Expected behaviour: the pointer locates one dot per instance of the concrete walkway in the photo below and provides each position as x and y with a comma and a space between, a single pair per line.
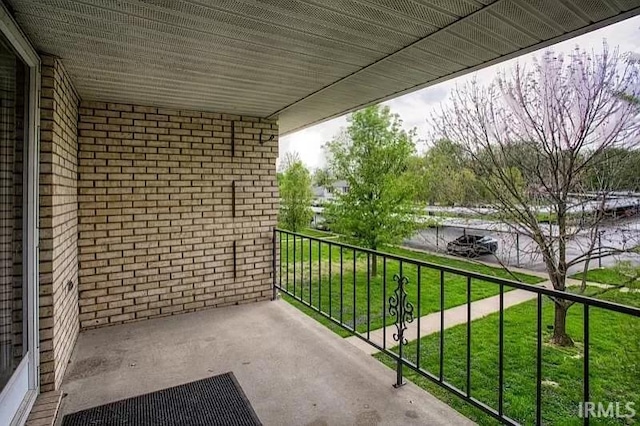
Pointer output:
430, 324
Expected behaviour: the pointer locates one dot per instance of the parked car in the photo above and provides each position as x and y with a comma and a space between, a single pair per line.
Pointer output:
470, 245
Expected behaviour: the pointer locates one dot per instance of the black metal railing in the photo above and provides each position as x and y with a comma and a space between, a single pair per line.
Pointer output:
343, 292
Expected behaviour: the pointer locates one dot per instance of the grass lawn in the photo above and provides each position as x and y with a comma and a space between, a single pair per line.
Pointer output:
614, 363
308, 276
316, 233
605, 276
542, 217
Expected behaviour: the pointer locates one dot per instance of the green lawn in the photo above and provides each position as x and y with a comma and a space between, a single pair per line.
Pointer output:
316, 233
312, 282
543, 217
605, 276
614, 363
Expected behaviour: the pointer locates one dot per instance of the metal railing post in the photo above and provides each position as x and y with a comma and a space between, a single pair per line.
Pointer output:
585, 368
402, 309
273, 263
600, 249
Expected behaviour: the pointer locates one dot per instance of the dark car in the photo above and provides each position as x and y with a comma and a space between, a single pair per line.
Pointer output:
472, 245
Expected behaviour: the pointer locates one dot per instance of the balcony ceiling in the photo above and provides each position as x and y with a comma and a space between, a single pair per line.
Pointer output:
300, 61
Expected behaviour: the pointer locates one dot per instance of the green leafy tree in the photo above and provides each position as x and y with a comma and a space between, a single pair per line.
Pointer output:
416, 167
322, 177
445, 158
446, 178
624, 160
295, 193
372, 157
443, 176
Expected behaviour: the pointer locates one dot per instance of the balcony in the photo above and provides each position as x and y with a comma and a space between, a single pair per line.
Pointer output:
293, 370
149, 137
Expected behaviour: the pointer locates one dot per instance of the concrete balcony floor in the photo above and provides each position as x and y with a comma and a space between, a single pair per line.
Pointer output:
293, 370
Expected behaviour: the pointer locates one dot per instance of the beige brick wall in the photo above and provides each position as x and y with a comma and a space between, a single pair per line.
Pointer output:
59, 324
156, 229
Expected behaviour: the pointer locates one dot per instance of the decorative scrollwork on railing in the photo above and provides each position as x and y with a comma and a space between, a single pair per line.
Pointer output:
400, 308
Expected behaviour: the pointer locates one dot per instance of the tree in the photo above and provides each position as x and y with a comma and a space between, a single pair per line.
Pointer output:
372, 156
443, 177
629, 162
322, 178
534, 136
295, 194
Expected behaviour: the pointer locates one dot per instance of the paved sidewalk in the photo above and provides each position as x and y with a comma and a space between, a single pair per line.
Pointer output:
430, 324
454, 316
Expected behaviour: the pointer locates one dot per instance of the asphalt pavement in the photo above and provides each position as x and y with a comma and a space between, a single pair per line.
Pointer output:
520, 250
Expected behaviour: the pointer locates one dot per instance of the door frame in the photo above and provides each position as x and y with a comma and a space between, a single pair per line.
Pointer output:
23, 48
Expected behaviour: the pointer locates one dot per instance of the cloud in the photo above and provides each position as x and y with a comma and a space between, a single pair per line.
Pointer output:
308, 142
414, 108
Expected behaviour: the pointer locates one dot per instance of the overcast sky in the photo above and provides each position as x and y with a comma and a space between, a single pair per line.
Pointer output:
415, 107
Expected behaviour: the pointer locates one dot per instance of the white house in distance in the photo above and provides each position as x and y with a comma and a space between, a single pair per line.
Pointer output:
322, 194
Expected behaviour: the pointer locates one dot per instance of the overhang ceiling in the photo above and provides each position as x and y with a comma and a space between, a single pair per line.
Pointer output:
300, 61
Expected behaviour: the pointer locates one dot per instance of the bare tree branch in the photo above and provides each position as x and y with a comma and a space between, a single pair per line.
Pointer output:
536, 137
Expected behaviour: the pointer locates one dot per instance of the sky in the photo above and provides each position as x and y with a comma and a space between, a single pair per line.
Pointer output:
414, 108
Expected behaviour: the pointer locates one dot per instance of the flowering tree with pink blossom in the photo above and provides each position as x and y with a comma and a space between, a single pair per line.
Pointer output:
533, 136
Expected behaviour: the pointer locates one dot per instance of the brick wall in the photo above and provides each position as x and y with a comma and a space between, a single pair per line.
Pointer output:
156, 226
59, 324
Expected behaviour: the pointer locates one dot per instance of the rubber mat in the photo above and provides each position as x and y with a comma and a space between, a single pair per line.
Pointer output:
217, 400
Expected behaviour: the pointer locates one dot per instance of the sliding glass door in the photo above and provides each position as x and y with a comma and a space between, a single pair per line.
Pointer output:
18, 211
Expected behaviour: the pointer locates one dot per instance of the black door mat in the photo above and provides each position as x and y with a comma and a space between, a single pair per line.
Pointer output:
217, 400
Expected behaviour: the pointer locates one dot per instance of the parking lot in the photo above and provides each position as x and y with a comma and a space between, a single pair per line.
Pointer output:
520, 250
